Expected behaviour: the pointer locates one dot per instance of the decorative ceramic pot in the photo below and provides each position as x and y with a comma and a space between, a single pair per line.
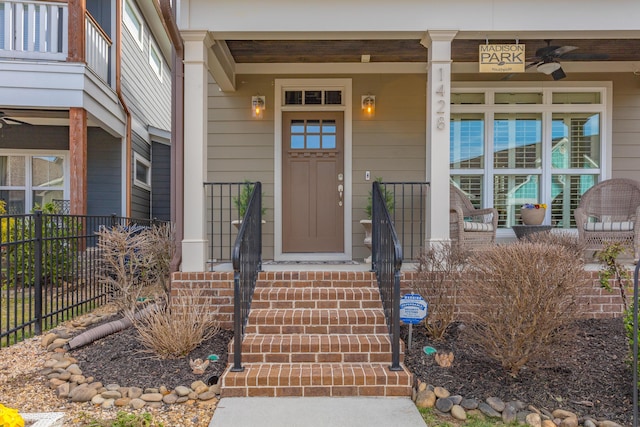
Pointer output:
532, 216
366, 223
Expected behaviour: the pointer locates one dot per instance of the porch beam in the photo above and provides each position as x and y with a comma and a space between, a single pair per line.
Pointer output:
78, 160
438, 43
222, 66
196, 78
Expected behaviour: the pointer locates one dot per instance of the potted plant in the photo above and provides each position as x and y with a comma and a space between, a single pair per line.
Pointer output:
533, 213
241, 203
389, 201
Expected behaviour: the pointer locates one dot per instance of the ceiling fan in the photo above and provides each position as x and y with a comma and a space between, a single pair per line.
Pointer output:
4, 120
547, 59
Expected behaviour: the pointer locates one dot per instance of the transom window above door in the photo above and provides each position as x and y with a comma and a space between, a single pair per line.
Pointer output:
313, 97
313, 134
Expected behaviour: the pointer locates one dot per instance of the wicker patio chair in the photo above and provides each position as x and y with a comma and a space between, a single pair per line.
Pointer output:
470, 227
608, 212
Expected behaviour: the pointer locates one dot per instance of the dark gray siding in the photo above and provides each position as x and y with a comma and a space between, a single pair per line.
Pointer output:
34, 137
101, 12
160, 181
104, 174
140, 197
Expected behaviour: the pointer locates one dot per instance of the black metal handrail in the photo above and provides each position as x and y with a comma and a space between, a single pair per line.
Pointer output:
386, 261
247, 262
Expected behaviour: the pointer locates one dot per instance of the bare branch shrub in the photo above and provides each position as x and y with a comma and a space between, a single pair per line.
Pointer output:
162, 247
523, 298
437, 281
134, 258
569, 242
125, 252
171, 331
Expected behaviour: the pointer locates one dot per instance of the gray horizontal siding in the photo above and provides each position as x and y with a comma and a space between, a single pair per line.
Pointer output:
104, 174
140, 197
35, 137
161, 181
148, 98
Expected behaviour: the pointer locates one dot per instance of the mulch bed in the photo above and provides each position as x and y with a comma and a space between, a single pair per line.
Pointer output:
591, 375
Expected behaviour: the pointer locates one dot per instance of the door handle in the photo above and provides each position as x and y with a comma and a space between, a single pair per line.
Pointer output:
340, 193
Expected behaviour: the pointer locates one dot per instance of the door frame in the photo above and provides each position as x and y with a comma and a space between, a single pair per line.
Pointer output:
346, 108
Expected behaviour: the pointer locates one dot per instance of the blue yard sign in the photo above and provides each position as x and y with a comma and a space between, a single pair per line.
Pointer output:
413, 308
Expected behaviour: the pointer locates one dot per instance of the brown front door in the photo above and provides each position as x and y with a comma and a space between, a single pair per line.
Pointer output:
312, 182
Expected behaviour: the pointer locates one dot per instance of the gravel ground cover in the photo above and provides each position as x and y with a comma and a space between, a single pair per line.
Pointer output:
590, 376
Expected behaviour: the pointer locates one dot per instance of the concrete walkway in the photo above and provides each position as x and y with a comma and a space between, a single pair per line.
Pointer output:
316, 412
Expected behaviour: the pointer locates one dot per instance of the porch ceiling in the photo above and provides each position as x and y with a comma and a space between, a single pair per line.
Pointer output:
408, 50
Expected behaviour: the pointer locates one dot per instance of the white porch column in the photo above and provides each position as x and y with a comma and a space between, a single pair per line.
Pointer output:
438, 42
195, 243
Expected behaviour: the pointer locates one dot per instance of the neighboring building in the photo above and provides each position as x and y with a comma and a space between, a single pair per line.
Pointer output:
85, 106
544, 135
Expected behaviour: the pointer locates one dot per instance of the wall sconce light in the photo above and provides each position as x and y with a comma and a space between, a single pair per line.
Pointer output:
369, 104
257, 106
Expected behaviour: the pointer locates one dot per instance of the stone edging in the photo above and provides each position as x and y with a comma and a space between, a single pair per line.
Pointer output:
458, 407
66, 379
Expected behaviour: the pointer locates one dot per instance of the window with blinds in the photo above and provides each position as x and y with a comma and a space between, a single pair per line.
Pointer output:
543, 145
467, 141
517, 141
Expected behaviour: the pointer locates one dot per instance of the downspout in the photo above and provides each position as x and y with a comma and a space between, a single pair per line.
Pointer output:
177, 124
127, 211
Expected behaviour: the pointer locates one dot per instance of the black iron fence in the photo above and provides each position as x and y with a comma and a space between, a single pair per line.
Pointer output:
49, 267
386, 261
247, 262
408, 213
226, 203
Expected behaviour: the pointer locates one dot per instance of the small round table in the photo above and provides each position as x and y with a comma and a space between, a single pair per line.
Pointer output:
523, 231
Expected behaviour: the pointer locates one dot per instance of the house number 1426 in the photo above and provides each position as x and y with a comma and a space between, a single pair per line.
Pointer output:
442, 104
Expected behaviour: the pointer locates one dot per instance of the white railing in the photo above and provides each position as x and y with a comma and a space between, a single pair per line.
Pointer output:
40, 30
97, 46
34, 30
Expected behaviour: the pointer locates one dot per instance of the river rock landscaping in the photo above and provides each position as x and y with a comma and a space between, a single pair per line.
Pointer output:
586, 382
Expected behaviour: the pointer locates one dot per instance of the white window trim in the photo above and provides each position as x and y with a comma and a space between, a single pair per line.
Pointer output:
139, 38
139, 159
546, 108
29, 187
153, 49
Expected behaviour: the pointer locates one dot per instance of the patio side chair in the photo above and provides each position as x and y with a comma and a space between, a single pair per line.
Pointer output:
608, 213
470, 227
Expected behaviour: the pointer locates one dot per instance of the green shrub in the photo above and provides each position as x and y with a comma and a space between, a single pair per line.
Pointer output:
58, 251
242, 200
387, 195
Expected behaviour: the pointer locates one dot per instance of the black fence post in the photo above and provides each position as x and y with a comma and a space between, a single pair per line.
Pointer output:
37, 248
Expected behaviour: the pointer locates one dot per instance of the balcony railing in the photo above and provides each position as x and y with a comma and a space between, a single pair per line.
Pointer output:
40, 30
34, 30
97, 48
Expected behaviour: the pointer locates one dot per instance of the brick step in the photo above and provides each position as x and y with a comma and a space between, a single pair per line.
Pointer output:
316, 379
316, 279
319, 321
316, 348
312, 298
